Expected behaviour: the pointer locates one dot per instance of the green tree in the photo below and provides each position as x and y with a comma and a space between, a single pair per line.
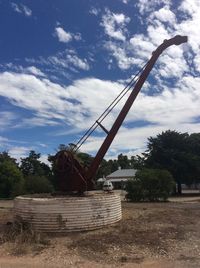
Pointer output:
137, 162
31, 165
169, 150
123, 161
4, 156
11, 179
37, 175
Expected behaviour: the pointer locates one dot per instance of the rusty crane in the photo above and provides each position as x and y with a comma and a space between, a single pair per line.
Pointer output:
71, 175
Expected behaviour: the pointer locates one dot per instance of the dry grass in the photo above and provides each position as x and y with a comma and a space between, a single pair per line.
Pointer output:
21, 238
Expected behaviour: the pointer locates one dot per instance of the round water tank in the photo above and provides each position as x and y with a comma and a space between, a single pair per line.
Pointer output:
68, 213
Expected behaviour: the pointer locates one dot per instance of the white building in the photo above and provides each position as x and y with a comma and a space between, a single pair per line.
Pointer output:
120, 176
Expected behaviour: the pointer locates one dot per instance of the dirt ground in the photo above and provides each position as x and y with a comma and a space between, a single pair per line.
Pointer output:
150, 235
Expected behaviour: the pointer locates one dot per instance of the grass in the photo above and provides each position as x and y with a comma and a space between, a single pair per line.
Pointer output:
21, 238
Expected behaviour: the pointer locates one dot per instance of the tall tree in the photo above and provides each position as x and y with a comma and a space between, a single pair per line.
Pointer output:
123, 161
31, 165
11, 178
172, 150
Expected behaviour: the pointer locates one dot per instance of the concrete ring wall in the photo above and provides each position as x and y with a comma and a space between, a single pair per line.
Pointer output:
69, 213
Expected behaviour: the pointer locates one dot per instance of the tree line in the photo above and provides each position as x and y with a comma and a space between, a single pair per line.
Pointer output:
178, 153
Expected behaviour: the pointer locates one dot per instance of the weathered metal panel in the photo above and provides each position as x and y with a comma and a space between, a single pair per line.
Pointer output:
64, 214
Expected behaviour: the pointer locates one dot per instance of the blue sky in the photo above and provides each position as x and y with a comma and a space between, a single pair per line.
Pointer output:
63, 62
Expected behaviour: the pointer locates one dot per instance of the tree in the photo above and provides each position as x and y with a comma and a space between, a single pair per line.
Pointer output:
137, 162
11, 179
194, 158
4, 156
173, 151
31, 165
123, 161
37, 175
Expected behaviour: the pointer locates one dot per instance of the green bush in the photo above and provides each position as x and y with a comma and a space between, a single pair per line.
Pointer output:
150, 185
134, 190
37, 184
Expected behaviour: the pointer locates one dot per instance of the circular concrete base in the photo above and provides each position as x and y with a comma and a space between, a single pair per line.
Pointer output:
48, 213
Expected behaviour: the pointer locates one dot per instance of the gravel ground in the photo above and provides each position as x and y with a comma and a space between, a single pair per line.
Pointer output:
149, 235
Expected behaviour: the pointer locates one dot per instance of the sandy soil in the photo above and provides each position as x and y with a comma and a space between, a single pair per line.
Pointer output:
149, 235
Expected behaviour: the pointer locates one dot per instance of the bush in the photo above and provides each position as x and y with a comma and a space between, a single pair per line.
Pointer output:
150, 185
38, 184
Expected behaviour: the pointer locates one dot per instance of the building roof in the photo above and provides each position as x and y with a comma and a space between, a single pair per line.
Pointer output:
122, 174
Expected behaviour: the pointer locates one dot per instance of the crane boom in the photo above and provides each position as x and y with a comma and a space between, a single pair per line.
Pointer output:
177, 40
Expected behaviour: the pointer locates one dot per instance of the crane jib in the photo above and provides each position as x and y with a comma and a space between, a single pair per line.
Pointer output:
177, 40
71, 175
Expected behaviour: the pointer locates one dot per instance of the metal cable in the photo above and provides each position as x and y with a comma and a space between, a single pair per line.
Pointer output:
108, 109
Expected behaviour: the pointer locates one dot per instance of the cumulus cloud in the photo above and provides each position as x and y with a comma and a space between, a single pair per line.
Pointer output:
114, 25
75, 106
161, 23
62, 35
170, 102
66, 37
146, 6
20, 8
164, 15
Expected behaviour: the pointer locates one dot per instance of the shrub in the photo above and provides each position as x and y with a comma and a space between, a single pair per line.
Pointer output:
134, 190
150, 185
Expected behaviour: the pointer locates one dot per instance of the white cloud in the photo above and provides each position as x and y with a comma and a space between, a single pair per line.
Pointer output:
94, 11
6, 119
77, 106
114, 25
44, 159
19, 152
27, 11
34, 70
59, 63
68, 59
125, 1
20, 8
146, 6
121, 54
189, 7
2, 139
77, 62
62, 35
19, 68
164, 15
66, 37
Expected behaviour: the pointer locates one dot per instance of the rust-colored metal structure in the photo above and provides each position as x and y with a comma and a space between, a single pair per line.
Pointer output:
72, 176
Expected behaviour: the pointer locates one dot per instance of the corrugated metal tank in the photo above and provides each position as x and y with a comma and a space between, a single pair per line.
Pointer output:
69, 213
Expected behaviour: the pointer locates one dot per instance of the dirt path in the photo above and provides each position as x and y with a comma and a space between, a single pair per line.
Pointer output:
149, 235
